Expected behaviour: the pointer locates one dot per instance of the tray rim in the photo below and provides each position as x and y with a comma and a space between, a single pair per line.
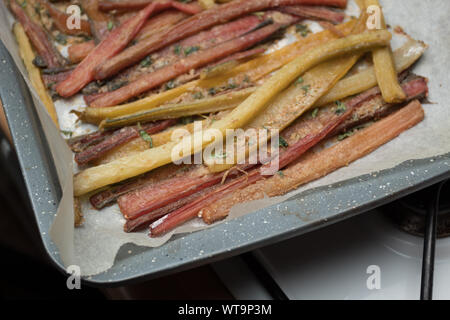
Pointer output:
314, 225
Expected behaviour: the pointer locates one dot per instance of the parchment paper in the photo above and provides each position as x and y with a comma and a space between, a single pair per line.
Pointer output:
94, 246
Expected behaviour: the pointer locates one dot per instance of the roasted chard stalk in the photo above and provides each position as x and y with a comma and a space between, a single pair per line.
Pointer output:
193, 61
38, 38
139, 4
116, 41
385, 68
198, 22
310, 12
119, 138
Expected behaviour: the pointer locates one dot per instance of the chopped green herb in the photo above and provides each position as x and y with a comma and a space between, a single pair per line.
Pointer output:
341, 107
231, 84
220, 156
110, 25
61, 38
114, 85
67, 133
170, 85
146, 62
302, 29
198, 95
23, 4
246, 79
189, 50
51, 84
145, 136
283, 142
363, 126
177, 50
86, 37
39, 62
315, 112
346, 135
187, 120
212, 91
259, 14
304, 34
299, 80
306, 88
281, 173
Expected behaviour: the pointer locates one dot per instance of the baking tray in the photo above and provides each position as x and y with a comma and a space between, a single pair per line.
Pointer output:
302, 213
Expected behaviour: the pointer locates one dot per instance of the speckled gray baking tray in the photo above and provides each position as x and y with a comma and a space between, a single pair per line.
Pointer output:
305, 212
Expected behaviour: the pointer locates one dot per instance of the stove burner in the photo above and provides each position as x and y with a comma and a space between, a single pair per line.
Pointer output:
425, 213
410, 213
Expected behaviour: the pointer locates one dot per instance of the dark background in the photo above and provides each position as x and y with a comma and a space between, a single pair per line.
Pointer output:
26, 270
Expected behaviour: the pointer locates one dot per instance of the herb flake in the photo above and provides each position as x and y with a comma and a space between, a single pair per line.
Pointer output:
61, 38
67, 133
220, 156
300, 80
302, 29
197, 95
283, 142
231, 84
177, 49
145, 136
187, 120
259, 14
306, 88
212, 91
110, 25
345, 135
170, 85
341, 108
190, 50
146, 62
39, 62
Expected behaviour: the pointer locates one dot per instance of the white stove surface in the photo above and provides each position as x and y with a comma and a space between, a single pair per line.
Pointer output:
333, 263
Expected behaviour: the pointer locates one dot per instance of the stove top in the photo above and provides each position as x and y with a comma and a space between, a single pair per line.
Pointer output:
367, 257
410, 213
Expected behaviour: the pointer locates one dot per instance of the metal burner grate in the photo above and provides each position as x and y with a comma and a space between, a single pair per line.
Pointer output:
427, 214
409, 214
